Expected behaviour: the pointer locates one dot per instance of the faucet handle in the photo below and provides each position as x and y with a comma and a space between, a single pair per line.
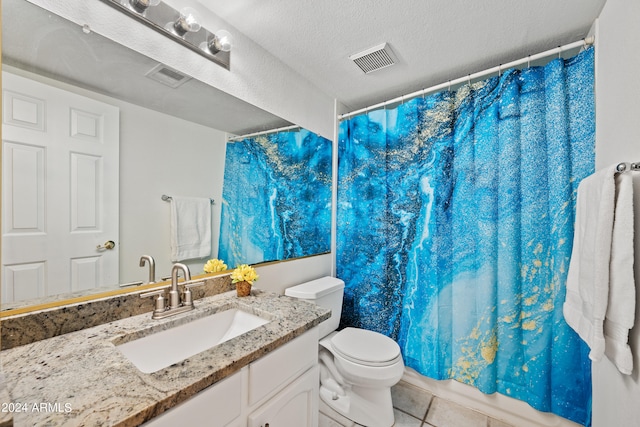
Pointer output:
160, 301
187, 298
193, 284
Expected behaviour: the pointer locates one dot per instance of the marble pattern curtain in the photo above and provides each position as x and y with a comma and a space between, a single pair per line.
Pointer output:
276, 198
455, 223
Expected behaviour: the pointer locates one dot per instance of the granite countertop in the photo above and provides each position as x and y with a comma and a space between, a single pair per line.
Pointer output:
82, 379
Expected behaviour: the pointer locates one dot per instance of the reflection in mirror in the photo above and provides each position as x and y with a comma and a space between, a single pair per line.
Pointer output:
277, 197
168, 136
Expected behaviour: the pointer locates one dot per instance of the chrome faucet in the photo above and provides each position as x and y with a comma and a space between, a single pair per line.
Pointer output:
176, 304
174, 295
152, 266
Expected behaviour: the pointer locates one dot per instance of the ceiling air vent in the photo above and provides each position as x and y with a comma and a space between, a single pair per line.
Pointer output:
375, 58
167, 76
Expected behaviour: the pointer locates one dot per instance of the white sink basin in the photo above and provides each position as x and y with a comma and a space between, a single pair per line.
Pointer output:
164, 348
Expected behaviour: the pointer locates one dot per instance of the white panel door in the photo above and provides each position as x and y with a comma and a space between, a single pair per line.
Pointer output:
59, 190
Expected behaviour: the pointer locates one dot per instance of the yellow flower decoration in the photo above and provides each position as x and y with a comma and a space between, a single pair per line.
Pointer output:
214, 265
244, 273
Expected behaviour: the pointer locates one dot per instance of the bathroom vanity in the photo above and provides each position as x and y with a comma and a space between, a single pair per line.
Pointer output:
279, 389
83, 378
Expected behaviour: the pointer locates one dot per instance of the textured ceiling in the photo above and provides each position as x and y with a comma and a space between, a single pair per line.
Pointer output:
434, 40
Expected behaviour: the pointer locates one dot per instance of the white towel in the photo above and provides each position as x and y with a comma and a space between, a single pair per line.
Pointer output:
600, 300
190, 228
620, 316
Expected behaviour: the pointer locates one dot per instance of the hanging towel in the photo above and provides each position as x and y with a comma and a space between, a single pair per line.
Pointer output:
600, 300
190, 228
620, 316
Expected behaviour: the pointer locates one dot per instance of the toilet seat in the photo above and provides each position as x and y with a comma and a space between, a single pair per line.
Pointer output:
365, 347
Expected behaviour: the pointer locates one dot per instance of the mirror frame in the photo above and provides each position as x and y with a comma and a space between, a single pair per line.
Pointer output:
1, 112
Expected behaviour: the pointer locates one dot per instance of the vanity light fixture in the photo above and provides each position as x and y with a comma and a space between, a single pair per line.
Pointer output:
187, 22
182, 26
219, 42
141, 5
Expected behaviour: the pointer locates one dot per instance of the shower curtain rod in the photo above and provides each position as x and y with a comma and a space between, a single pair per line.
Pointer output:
264, 132
584, 42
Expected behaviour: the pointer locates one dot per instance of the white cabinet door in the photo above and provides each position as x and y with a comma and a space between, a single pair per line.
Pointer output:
59, 190
295, 406
219, 405
272, 372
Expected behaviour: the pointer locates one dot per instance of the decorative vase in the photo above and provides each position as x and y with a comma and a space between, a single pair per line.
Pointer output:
243, 289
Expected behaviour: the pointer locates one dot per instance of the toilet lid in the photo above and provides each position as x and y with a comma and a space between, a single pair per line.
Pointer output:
365, 347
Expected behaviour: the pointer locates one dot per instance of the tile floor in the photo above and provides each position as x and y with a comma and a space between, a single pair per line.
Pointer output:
415, 407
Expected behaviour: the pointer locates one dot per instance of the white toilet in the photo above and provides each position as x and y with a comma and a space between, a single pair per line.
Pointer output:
357, 367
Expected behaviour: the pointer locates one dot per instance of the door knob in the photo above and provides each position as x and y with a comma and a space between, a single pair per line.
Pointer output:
109, 244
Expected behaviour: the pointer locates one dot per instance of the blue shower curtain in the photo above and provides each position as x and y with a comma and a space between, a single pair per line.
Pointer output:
455, 223
276, 198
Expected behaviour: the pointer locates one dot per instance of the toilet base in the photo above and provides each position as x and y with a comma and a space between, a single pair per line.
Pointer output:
333, 418
356, 405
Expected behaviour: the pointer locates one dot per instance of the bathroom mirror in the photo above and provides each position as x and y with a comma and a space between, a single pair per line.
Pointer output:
173, 132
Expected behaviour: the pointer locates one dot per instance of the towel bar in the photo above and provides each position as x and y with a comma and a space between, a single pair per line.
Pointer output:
622, 167
168, 198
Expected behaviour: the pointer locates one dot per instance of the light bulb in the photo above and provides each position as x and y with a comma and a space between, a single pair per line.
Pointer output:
221, 41
188, 21
141, 5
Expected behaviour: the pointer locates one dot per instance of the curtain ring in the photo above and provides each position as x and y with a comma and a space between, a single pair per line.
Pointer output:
449, 85
529, 61
469, 79
559, 51
500, 70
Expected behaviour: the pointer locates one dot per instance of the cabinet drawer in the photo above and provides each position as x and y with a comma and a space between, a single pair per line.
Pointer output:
269, 373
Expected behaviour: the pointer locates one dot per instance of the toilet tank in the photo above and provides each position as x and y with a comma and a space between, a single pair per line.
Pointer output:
326, 292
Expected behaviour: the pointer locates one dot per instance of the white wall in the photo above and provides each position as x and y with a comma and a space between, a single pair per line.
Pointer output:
616, 396
161, 154
279, 276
